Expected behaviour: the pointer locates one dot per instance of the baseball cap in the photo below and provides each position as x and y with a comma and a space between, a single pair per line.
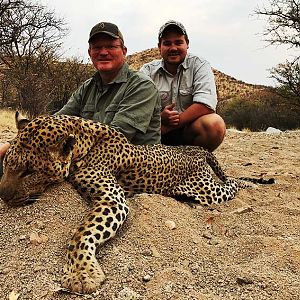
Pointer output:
107, 28
171, 23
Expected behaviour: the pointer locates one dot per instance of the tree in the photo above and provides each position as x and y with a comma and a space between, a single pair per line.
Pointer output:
288, 76
28, 29
283, 28
283, 22
30, 38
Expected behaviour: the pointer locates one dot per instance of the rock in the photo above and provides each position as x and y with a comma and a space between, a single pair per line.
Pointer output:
127, 294
243, 210
170, 224
147, 278
271, 130
13, 295
244, 280
147, 252
22, 237
214, 241
36, 239
207, 234
155, 252
5, 271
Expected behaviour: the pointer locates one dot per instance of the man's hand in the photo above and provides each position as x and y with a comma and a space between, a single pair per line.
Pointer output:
170, 117
3, 150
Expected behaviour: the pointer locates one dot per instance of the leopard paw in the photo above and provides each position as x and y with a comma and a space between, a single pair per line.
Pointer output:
83, 280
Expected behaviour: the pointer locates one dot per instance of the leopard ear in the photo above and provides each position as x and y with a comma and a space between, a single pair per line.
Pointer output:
63, 149
21, 121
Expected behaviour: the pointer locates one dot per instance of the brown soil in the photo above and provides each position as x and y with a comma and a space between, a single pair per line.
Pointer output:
245, 249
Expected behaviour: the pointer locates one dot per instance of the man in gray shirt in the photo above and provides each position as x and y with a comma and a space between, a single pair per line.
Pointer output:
187, 91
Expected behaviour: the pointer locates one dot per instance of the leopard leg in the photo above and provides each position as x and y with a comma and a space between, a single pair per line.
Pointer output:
82, 273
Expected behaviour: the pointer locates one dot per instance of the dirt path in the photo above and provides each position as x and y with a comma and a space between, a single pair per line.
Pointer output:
248, 248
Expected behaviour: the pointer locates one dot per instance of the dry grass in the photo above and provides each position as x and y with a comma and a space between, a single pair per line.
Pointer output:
7, 120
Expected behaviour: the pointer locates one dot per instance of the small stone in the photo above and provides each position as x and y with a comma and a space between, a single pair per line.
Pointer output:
5, 271
22, 237
34, 238
127, 294
13, 295
243, 210
170, 224
271, 130
207, 234
37, 239
96, 294
147, 278
196, 240
40, 225
44, 294
244, 280
214, 241
185, 263
147, 252
38, 269
155, 252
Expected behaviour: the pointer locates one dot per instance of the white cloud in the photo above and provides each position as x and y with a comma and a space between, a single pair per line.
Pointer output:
221, 30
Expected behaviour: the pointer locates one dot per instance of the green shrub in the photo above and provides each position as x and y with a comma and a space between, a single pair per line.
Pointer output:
260, 111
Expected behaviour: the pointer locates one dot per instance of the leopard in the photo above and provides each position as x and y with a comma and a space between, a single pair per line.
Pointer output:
106, 169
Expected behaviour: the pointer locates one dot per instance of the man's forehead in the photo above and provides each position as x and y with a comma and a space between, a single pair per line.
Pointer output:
172, 36
103, 37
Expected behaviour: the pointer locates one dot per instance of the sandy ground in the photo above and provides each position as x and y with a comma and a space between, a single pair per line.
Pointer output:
246, 249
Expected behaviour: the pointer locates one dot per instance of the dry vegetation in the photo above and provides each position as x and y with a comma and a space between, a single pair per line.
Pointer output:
7, 120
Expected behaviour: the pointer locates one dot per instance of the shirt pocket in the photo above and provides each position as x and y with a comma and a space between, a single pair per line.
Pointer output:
110, 113
185, 97
88, 111
165, 98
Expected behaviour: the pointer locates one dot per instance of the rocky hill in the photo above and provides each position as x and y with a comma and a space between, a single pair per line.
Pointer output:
227, 86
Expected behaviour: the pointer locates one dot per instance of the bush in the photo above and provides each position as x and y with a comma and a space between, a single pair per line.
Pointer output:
42, 89
260, 111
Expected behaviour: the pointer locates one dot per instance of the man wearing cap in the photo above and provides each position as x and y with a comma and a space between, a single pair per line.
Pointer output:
187, 91
115, 95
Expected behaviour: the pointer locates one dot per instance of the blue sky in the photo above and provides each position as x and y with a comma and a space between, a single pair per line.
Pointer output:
225, 32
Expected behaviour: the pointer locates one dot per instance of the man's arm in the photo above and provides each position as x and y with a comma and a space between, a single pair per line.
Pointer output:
204, 85
74, 104
176, 120
193, 112
3, 150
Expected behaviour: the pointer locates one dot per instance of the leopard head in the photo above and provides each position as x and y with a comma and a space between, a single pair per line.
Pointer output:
40, 155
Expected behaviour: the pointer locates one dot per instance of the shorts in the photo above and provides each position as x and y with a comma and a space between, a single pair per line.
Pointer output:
174, 138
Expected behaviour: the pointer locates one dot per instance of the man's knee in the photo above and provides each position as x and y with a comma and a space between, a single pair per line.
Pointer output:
3, 150
211, 124
207, 131
217, 126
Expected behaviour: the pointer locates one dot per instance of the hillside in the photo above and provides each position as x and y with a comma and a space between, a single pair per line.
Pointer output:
227, 86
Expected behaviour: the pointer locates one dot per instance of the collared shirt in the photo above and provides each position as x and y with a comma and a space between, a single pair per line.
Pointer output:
130, 104
193, 83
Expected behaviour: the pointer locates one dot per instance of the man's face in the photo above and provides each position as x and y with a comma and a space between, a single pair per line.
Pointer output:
173, 47
107, 53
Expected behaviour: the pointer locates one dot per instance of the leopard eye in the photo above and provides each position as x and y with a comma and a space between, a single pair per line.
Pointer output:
26, 173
